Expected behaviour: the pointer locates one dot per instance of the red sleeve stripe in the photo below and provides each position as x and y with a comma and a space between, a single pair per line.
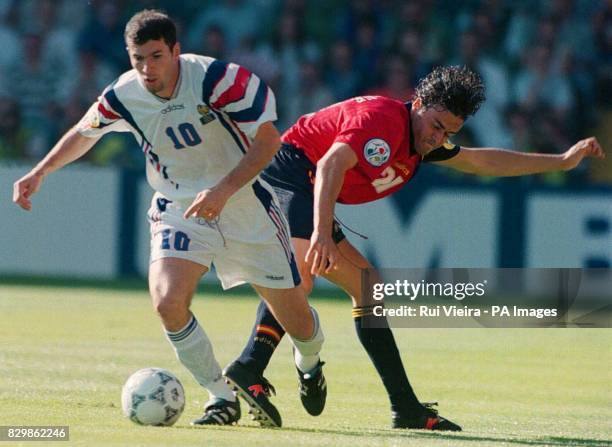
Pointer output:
107, 113
236, 91
245, 140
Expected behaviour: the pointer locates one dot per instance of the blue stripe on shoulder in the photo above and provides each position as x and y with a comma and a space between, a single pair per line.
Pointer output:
254, 112
231, 131
114, 102
214, 73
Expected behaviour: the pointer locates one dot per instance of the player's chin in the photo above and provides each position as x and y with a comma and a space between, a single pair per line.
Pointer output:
421, 149
153, 87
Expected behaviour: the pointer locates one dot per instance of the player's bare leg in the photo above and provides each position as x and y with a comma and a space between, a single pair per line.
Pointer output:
300, 247
290, 307
347, 273
172, 283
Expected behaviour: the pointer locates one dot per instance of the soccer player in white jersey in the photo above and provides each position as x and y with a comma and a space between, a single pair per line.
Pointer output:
206, 131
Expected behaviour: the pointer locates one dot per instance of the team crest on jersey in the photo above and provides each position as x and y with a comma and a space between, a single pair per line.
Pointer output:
207, 115
376, 152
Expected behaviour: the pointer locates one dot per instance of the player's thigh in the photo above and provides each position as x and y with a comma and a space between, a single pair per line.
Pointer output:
347, 275
290, 307
172, 281
181, 252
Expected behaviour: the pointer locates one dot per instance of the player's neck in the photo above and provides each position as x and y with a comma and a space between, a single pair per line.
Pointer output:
169, 92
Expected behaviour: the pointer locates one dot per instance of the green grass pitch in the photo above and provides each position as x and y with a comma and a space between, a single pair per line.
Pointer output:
66, 351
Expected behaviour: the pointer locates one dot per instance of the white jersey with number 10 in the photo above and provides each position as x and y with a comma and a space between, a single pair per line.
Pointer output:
196, 137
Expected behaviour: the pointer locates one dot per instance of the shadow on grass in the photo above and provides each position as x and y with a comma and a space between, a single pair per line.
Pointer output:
419, 434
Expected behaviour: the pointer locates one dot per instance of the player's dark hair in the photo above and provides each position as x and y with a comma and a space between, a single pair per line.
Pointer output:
457, 89
150, 24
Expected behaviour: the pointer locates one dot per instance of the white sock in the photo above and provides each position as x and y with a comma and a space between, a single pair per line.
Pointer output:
305, 363
194, 350
306, 353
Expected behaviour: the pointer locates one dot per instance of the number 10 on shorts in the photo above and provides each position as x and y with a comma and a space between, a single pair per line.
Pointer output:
181, 240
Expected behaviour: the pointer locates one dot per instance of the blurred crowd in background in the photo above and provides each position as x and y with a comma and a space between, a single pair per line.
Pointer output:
547, 64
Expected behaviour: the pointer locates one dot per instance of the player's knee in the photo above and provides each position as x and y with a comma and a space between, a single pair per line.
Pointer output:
166, 309
168, 303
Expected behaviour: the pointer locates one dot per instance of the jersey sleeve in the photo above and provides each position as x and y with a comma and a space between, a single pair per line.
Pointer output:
445, 152
101, 118
372, 140
240, 94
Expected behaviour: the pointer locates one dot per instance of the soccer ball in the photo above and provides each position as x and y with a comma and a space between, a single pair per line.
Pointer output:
153, 396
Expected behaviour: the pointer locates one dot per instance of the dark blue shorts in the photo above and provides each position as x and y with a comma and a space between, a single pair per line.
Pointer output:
291, 175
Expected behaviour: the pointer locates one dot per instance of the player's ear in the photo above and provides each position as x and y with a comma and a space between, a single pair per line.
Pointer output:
176, 50
417, 103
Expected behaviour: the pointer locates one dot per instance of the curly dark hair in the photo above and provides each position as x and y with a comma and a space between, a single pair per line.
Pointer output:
457, 89
150, 24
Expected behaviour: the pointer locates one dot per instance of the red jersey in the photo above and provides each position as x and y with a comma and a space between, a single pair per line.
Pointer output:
377, 129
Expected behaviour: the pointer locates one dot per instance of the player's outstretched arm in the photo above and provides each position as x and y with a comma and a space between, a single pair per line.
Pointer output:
502, 163
322, 255
209, 203
69, 148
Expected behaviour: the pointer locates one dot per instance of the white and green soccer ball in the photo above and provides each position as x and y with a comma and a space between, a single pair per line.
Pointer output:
153, 396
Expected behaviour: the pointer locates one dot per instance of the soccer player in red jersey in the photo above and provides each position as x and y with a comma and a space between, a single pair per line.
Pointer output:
358, 151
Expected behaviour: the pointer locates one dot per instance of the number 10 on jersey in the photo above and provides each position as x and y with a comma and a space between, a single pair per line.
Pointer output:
187, 136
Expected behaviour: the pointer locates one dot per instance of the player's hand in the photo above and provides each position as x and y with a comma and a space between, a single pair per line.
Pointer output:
25, 187
322, 255
207, 204
584, 148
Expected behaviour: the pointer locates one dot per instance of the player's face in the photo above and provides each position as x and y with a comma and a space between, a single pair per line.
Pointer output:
157, 65
432, 126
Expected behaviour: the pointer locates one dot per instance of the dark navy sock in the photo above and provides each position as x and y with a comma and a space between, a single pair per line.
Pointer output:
265, 337
380, 346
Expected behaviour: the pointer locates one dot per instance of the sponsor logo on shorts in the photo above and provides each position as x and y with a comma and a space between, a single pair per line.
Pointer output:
376, 151
275, 278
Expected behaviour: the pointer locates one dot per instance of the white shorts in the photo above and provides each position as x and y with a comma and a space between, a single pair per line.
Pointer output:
248, 243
